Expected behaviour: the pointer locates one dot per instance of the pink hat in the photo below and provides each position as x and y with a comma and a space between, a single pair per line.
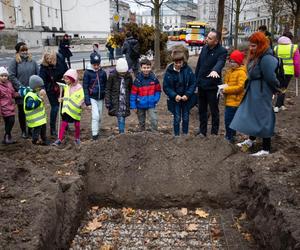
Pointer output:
284, 40
237, 56
72, 73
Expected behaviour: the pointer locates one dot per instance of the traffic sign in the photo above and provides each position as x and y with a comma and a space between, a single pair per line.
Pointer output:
116, 18
2, 25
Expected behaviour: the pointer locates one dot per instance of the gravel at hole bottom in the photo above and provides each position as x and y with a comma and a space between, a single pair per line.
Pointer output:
173, 228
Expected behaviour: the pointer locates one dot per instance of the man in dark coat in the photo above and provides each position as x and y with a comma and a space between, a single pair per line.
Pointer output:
208, 76
132, 57
64, 49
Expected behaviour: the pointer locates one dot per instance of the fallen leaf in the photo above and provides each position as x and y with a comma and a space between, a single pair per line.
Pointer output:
128, 212
215, 232
184, 211
106, 247
192, 227
93, 225
243, 216
23, 201
247, 236
103, 217
237, 226
201, 213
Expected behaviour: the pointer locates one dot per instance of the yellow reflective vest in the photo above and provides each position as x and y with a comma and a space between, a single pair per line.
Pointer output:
286, 52
35, 117
72, 103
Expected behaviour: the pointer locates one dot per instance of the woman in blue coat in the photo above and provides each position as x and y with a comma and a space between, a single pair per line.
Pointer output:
179, 85
255, 116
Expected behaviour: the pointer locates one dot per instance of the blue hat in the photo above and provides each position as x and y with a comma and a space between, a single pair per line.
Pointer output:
95, 58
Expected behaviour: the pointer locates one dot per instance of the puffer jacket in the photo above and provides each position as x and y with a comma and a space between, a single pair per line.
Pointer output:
7, 103
94, 84
145, 92
112, 93
235, 78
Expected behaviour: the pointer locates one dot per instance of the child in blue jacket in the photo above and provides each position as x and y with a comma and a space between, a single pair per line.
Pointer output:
179, 85
145, 94
94, 86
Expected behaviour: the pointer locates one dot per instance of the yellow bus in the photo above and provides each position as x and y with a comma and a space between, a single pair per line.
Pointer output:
177, 34
196, 32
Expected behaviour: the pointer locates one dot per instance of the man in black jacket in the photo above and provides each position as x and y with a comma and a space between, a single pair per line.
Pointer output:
208, 76
131, 50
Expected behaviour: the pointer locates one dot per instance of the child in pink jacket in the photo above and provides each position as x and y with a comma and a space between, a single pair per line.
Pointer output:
7, 104
291, 63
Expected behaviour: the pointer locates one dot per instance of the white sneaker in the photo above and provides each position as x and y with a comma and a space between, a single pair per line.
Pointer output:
247, 143
276, 109
261, 153
283, 108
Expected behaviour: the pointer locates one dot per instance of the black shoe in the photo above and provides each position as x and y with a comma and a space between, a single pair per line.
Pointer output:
45, 143
95, 137
53, 132
24, 135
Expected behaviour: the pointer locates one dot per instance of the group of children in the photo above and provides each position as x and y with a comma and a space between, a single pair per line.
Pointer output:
119, 93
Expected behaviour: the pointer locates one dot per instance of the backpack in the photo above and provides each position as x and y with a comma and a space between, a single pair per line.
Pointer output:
134, 51
279, 71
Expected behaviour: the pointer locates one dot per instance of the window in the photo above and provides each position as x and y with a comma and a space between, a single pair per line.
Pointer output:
56, 13
48, 10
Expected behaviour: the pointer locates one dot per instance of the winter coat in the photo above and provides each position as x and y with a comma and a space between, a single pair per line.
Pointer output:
128, 43
52, 74
64, 48
19, 73
7, 103
179, 83
113, 92
210, 60
145, 92
235, 78
94, 85
255, 115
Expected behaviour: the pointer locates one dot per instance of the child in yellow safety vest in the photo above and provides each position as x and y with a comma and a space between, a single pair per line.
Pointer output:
34, 109
71, 108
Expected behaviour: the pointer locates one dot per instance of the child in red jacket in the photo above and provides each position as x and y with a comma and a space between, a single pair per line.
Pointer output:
7, 104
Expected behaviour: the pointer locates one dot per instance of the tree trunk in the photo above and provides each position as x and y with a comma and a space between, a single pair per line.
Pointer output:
221, 7
297, 24
156, 36
273, 17
236, 25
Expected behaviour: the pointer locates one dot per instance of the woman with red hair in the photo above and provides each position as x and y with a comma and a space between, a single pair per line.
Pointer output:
255, 116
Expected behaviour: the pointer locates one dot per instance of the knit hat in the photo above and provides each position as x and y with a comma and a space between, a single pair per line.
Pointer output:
284, 40
179, 52
35, 82
122, 65
3, 71
19, 45
95, 58
72, 74
237, 56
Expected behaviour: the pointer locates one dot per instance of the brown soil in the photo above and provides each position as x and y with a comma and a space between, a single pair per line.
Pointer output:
44, 190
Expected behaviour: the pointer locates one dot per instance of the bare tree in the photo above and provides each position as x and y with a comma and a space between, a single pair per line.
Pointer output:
274, 7
294, 6
239, 6
220, 19
155, 6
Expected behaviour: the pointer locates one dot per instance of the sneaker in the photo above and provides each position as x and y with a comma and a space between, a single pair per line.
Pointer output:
283, 108
276, 109
56, 143
77, 141
95, 137
261, 153
247, 143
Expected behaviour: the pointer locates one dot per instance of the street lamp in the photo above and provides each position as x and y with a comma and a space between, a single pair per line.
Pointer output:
231, 21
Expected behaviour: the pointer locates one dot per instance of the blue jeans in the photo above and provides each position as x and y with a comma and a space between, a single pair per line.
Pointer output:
121, 124
181, 111
229, 114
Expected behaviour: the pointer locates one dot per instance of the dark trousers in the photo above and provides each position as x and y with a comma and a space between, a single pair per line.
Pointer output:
69, 62
281, 96
266, 145
22, 118
208, 98
39, 131
53, 100
228, 117
9, 122
181, 112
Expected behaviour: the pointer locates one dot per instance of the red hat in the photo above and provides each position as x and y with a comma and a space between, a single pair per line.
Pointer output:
237, 56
